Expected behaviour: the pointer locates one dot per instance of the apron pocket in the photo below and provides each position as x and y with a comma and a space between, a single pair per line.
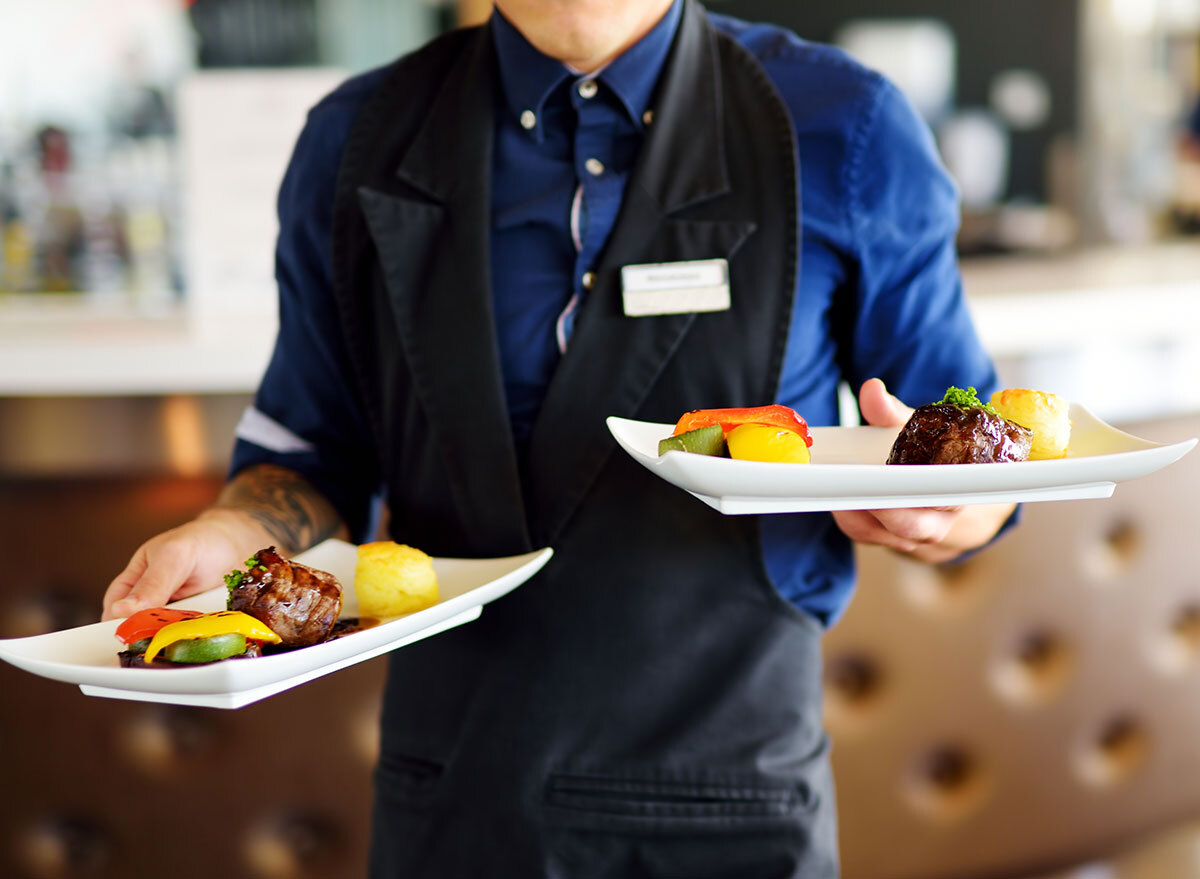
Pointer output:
406, 780
677, 827
401, 823
675, 802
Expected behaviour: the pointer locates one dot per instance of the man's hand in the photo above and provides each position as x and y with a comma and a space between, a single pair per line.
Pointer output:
929, 534
263, 506
184, 561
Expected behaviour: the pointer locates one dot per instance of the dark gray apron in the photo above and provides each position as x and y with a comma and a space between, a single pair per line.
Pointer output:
648, 705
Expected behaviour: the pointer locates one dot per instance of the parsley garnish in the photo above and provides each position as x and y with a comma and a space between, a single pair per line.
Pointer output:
235, 577
232, 581
967, 399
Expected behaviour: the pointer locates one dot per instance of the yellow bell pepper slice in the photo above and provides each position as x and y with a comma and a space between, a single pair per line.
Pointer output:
764, 442
220, 623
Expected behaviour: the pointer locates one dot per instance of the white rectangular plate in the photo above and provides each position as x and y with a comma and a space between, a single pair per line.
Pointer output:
848, 471
87, 655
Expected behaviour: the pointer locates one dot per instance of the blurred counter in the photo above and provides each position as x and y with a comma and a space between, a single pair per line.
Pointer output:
1116, 328
1121, 319
1118, 297
66, 345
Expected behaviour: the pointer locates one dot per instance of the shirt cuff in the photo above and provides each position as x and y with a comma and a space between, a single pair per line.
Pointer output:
264, 431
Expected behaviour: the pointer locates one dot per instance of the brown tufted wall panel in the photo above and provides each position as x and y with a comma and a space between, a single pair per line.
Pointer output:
1035, 706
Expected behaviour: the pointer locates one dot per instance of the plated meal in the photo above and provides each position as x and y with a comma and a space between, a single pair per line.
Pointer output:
278, 604
1047, 449
389, 578
1017, 425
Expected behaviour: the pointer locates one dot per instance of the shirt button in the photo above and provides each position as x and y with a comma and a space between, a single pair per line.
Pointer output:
594, 167
528, 119
587, 88
647, 117
589, 280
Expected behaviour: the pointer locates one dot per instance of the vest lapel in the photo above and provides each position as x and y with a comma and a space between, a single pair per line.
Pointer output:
432, 236
613, 360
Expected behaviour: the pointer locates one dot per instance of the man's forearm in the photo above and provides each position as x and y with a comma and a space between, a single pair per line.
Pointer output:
292, 513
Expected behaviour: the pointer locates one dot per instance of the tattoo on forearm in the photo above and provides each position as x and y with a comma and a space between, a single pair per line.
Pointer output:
284, 503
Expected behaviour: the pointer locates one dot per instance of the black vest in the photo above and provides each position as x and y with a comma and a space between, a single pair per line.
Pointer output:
648, 705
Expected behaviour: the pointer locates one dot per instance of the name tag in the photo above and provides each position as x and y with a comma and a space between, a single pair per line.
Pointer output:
675, 287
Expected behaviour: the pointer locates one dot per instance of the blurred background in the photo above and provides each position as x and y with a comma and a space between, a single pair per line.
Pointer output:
1032, 712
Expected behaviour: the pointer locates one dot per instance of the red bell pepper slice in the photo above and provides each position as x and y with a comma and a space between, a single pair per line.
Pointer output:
774, 415
146, 623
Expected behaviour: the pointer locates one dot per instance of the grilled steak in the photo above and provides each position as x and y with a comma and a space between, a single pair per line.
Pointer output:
942, 433
299, 603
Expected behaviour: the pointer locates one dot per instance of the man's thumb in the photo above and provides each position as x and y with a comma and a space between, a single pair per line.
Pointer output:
879, 407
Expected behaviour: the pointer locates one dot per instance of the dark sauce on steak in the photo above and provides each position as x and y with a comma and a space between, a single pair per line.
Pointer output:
341, 628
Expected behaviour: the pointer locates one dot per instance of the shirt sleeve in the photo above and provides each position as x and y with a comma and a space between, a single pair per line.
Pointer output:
883, 221
306, 414
909, 323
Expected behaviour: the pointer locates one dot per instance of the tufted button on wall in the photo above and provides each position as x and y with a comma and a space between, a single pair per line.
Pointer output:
1115, 752
292, 845
853, 684
958, 577
1185, 629
855, 677
49, 608
949, 589
1035, 668
65, 845
1174, 648
158, 739
1117, 548
947, 783
364, 733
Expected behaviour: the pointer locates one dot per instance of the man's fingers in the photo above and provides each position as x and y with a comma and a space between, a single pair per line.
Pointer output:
861, 526
917, 526
162, 575
903, 530
124, 582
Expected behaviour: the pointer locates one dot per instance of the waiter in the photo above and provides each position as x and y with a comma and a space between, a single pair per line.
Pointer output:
454, 331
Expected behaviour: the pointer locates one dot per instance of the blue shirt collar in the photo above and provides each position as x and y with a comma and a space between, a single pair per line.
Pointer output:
528, 77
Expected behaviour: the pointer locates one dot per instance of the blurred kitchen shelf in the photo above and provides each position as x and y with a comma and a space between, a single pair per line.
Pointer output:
88, 345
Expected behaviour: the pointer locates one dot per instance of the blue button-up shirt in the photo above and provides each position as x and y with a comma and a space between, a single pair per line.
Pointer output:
564, 147
878, 292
